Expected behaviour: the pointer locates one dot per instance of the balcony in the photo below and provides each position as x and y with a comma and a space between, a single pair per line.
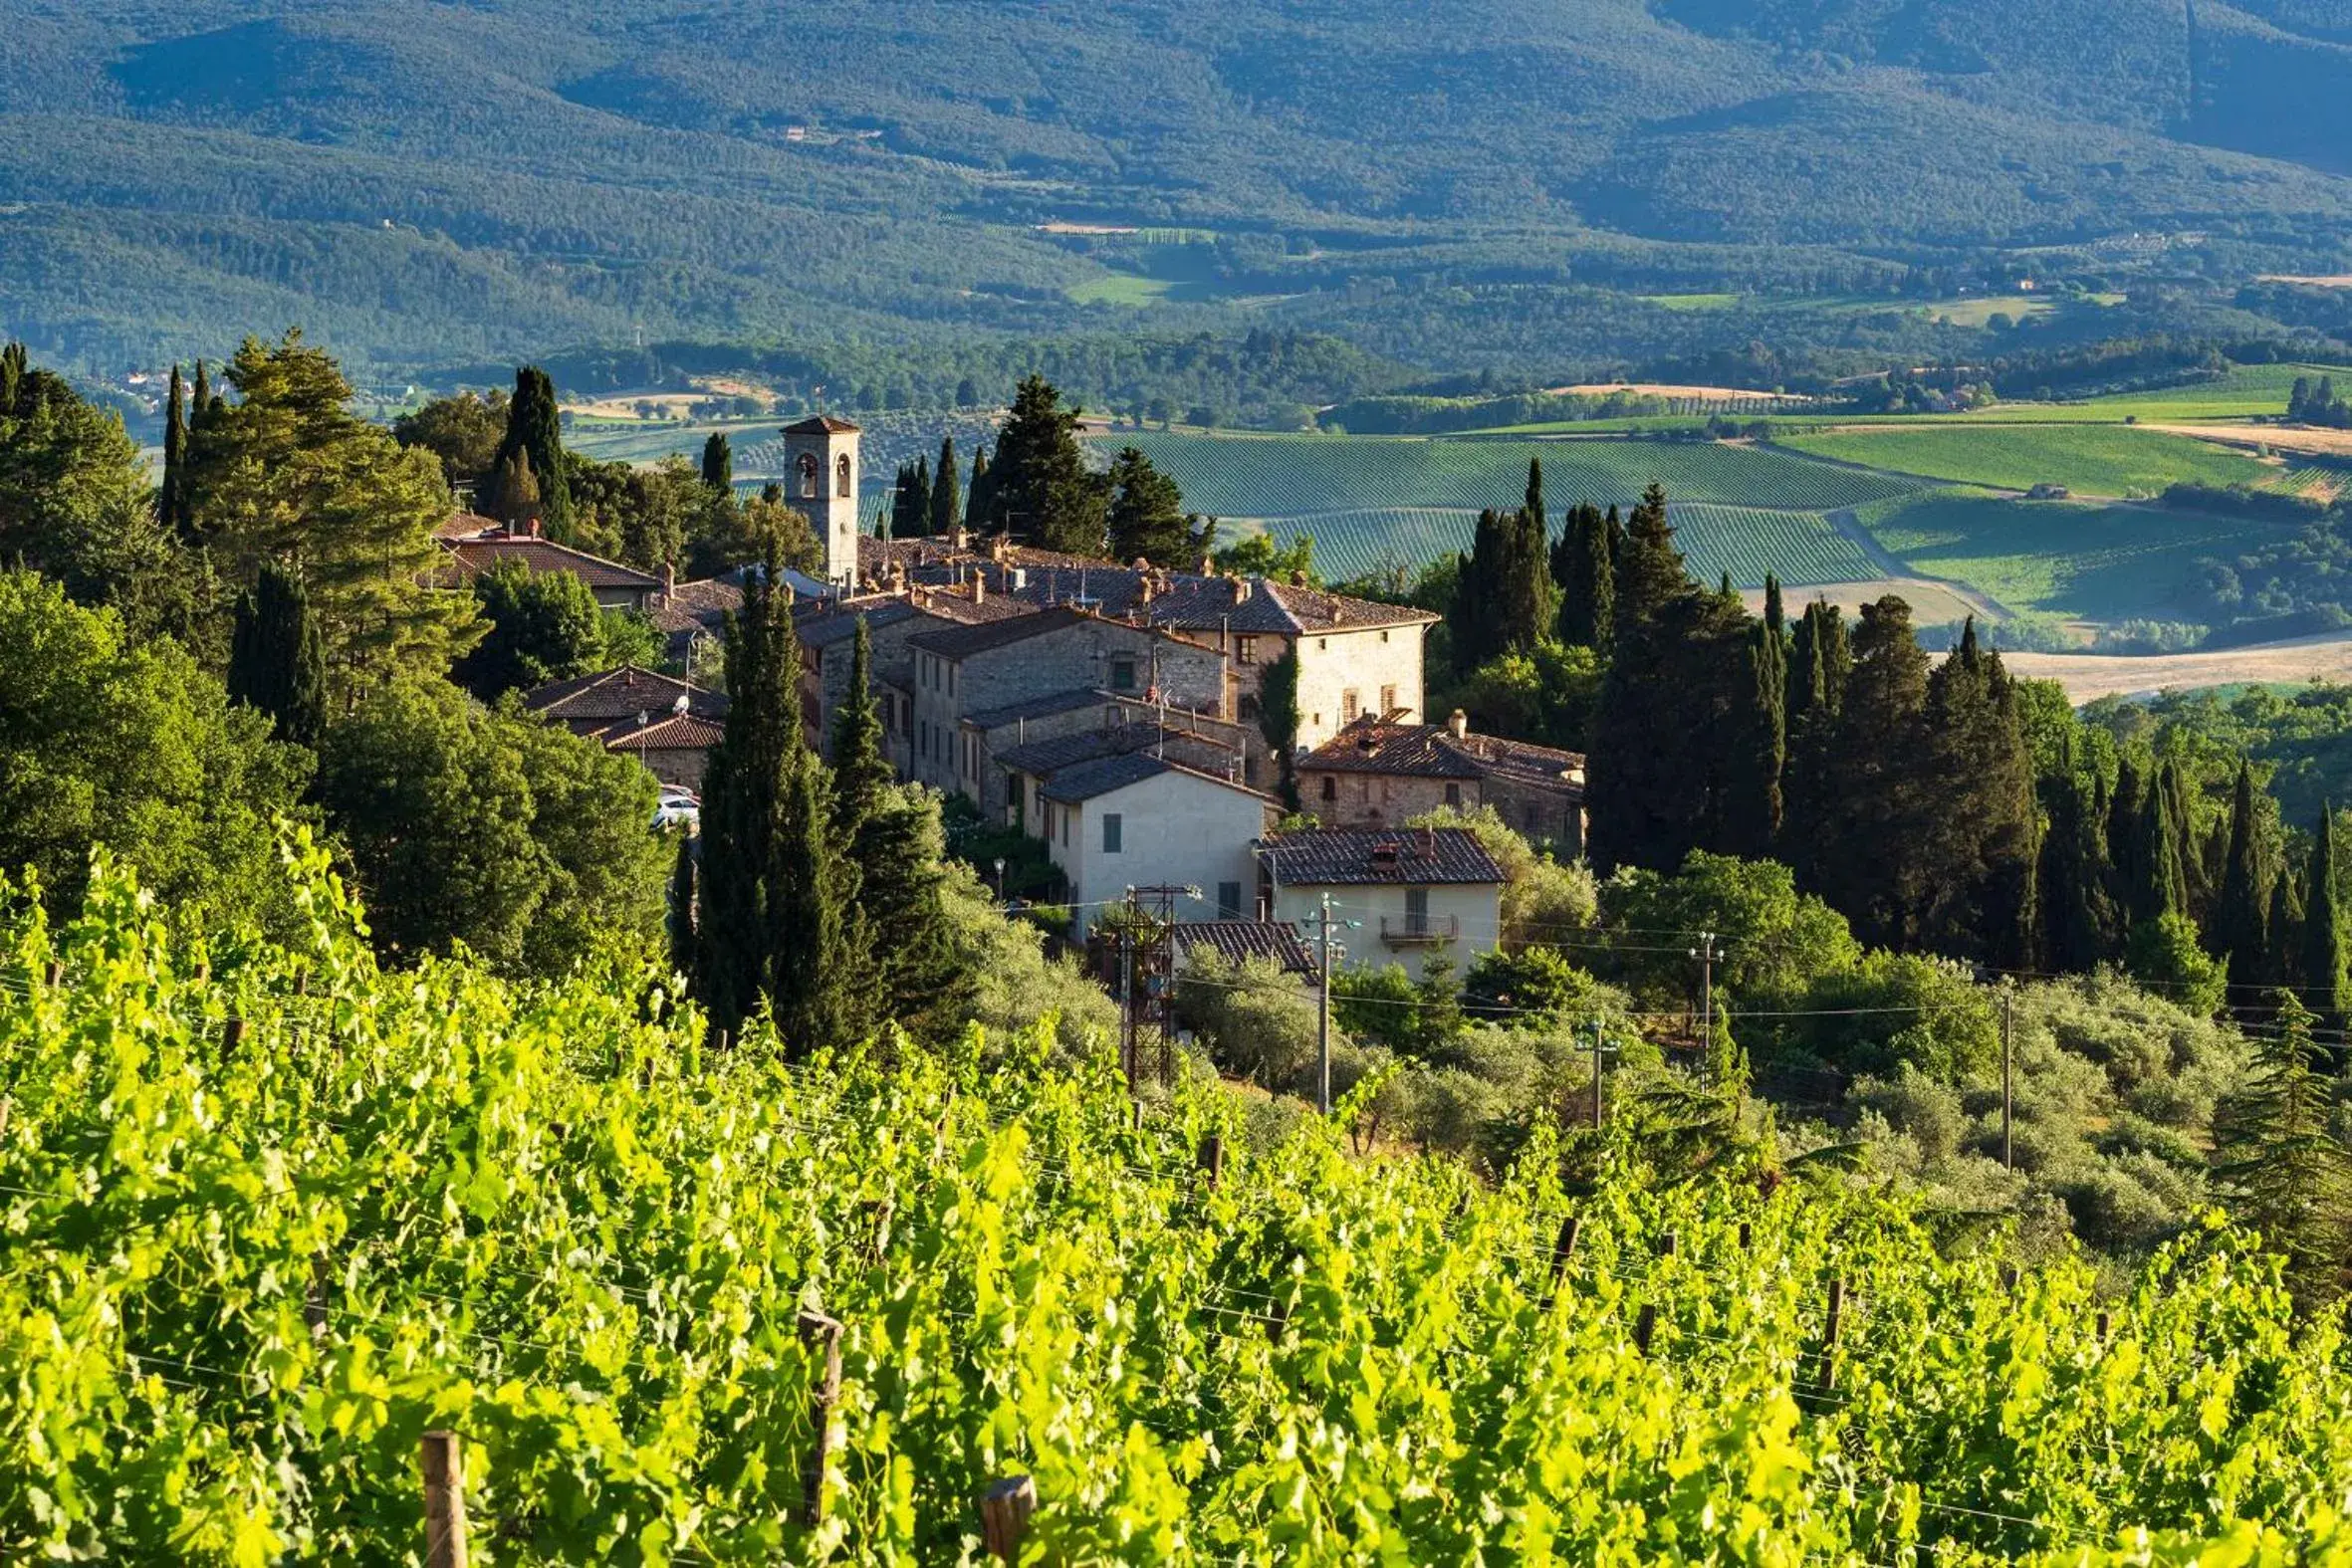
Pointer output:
1419, 931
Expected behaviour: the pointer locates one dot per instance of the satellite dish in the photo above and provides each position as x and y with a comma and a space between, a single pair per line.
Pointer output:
680, 705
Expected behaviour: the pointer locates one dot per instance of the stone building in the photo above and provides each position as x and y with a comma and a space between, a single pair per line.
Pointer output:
1414, 896
1375, 773
478, 545
667, 723
1012, 781
1141, 820
821, 458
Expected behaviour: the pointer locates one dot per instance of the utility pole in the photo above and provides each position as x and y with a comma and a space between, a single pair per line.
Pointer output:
1127, 994
1323, 1024
2008, 1076
1705, 954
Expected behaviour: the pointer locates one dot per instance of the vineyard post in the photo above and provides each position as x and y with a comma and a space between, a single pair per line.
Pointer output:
1666, 1244
1127, 997
1645, 1326
1596, 1049
1747, 1234
1004, 1516
1563, 1247
1212, 1158
1323, 1015
822, 1334
57, 974
2008, 1076
442, 1457
1829, 1332
232, 1036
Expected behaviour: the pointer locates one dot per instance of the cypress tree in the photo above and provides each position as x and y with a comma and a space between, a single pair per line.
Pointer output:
533, 428
1580, 569
918, 499
681, 914
2241, 914
820, 980
2322, 962
861, 772
2285, 927
1650, 572
1534, 503
946, 511
15, 364
1978, 828
1477, 636
1870, 858
516, 497
980, 496
276, 662
718, 463
2078, 912
200, 406
742, 805
169, 501
2160, 885
2276, 1150
1762, 735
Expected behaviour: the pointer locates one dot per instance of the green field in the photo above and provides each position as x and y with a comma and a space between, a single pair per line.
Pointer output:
1800, 548
1290, 476
1119, 288
2074, 558
2090, 459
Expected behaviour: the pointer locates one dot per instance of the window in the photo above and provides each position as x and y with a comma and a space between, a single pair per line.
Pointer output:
1384, 636
810, 477
1245, 649
1249, 708
1122, 675
1417, 910
1112, 822
1453, 795
1350, 707
1387, 700
1229, 901
923, 739
841, 476
1330, 787
1323, 644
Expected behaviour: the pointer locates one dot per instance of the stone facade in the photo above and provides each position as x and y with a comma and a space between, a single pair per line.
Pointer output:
1381, 774
1146, 825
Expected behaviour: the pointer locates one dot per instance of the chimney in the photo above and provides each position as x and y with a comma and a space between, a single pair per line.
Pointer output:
1429, 844
669, 581
979, 590
960, 539
1208, 565
535, 525
1145, 589
1457, 724
1240, 589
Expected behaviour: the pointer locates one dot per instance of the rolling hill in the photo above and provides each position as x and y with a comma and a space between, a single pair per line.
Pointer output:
422, 182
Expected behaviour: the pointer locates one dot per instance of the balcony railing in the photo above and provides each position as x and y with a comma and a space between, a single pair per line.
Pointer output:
1419, 929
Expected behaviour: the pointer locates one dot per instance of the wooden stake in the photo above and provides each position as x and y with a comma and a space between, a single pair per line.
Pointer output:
57, 974
2008, 1278
1645, 1326
1212, 1158
1747, 1235
1829, 1333
232, 1036
1004, 1516
1666, 1243
443, 1462
314, 1305
1563, 1247
2102, 1325
823, 1335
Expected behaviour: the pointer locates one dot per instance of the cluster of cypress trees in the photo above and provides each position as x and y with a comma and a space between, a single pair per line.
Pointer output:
817, 895
527, 467
924, 501
1902, 794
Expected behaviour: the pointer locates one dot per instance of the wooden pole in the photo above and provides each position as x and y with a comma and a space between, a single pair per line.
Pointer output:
1747, 1235
823, 1335
1645, 1326
1563, 1247
232, 1036
1829, 1333
1212, 1158
57, 974
1004, 1516
443, 1459
1666, 1243
2103, 1324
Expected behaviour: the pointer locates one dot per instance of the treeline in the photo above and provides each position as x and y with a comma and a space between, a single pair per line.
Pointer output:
1940, 807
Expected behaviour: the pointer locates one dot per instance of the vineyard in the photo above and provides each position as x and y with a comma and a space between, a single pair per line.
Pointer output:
2093, 460
275, 1216
1802, 548
1282, 476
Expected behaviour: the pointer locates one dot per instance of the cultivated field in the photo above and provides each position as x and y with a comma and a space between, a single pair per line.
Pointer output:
1275, 477
2087, 676
2089, 460
2098, 562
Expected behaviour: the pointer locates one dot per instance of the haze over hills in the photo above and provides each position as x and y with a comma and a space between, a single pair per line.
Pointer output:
1480, 184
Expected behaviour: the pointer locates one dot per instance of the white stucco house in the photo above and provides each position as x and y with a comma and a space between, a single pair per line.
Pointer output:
1140, 821
1413, 894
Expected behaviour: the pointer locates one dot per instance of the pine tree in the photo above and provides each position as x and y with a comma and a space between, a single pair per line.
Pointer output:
1040, 489
169, 499
2241, 917
2274, 1149
535, 428
1146, 518
2322, 961
946, 511
718, 463
276, 665
680, 921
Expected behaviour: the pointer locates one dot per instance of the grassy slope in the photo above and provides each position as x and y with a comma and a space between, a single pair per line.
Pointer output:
2095, 461
2096, 562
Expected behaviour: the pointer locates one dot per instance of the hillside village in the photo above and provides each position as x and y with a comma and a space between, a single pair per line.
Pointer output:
1116, 714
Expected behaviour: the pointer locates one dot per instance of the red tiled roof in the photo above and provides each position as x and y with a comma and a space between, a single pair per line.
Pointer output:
1237, 940
695, 606
621, 694
678, 733
470, 558
1419, 856
1432, 751
821, 424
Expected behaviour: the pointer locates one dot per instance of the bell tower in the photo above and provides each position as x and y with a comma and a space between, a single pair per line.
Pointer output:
820, 467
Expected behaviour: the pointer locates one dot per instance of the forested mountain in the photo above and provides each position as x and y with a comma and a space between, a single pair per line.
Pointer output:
417, 183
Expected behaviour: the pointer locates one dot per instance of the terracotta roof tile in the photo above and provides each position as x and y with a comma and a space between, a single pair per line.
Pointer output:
1341, 856
1432, 751
678, 732
821, 424
1237, 940
470, 558
624, 693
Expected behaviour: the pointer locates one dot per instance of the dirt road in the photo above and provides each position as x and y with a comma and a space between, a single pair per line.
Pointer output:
2089, 675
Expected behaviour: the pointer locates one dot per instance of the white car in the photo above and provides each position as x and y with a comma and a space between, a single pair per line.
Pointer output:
678, 807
